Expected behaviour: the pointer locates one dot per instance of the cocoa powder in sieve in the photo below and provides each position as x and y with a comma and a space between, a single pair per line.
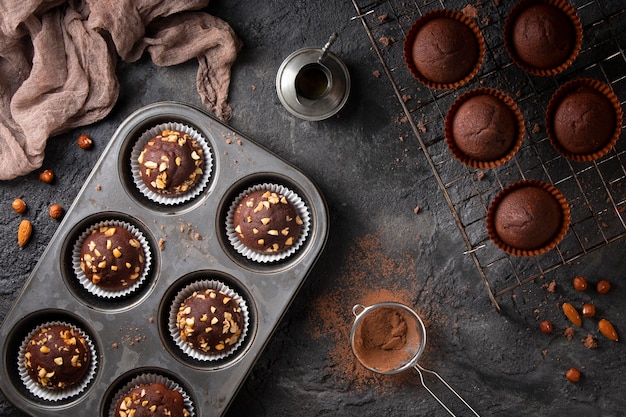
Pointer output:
386, 338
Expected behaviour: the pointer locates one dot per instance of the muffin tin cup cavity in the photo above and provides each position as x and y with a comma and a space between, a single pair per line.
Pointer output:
50, 394
577, 28
151, 378
569, 88
262, 257
173, 322
519, 134
419, 24
95, 289
565, 220
200, 185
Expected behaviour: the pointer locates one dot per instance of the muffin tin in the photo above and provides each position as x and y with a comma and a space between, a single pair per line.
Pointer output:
188, 243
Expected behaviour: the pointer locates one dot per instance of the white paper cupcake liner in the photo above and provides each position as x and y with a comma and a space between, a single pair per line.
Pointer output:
193, 191
263, 257
95, 289
47, 393
147, 379
173, 322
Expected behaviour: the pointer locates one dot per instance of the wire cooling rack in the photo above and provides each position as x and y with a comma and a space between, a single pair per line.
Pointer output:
596, 191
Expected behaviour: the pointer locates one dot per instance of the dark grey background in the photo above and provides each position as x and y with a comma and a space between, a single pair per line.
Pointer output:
369, 166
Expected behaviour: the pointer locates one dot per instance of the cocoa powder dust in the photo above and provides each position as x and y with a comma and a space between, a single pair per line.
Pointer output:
367, 276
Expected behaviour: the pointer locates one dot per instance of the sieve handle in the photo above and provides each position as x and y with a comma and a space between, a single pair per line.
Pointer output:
420, 369
358, 309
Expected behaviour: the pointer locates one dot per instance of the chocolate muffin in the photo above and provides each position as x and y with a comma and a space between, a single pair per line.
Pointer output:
112, 258
584, 121
57, 357
171, 163
210, 321
267, 222
527, 217
543, 36
151, 400
445, 50
482, 127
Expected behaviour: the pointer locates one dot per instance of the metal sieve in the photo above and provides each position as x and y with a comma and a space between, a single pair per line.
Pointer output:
414, 351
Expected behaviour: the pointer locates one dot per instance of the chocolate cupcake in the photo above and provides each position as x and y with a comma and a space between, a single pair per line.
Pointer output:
208, 320
584, 119
57, 360
444, 49
267, 223
484, 128
111, 259
543, 37
528, 218
171, 163
151, 395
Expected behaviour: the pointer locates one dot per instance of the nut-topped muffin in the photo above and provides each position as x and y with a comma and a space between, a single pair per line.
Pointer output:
171, 162
266, 221
151, 400
210, 321
112, 258
57, 357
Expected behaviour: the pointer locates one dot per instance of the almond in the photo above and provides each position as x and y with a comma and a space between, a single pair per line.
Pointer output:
572, 314
607, 329
24, 231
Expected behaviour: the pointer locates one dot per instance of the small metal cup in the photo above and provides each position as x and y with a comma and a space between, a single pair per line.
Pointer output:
313, 83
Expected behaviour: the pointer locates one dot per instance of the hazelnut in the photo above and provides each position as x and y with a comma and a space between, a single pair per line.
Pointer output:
545, 326
603, 286
19, 205
56, 211
573, 375
84, 141
580, 284
589, 310
46, 176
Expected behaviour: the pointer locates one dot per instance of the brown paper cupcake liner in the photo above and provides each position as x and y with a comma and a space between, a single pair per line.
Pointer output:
46, 393
565, 221
520, 131
193, 191
147, 379
571, 13
260, 256
563, 92
173, 321
419, 23
95, 289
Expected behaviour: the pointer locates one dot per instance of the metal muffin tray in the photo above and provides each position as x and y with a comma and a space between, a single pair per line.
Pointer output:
188, 242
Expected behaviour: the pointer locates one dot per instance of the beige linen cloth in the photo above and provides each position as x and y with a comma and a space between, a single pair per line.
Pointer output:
58, 58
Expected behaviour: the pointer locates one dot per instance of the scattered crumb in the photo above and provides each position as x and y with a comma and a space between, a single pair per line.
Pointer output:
536, 128
480, 175
401, 138
470, 11
115, 345
590, 342
382, 17
376, 73
385, 40
228, 141
406, 97
544, 352
552, 286
197, 236
421, 126
162, 244
151, 320
416, 209
253, 87
403, 119
98, 187
569, 333
485, 21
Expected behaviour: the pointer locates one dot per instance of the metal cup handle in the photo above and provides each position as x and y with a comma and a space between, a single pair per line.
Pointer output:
420, 369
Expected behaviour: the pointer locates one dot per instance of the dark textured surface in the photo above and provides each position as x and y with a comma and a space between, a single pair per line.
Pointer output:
373, 174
